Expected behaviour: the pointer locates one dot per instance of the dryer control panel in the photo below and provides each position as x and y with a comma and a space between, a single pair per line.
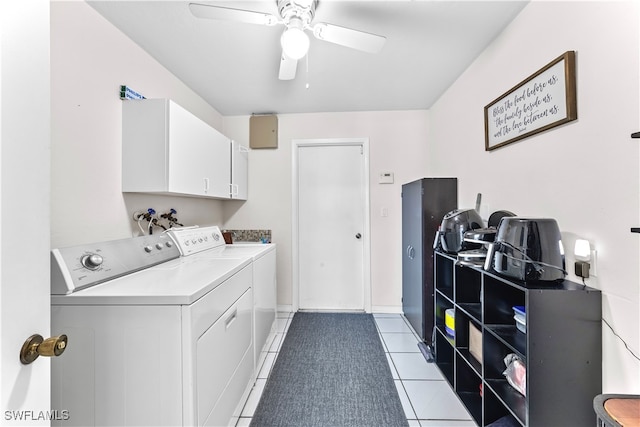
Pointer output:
192, 240
77, 267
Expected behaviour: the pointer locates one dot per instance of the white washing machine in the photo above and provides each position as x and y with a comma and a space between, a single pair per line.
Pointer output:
208, 243
154, 338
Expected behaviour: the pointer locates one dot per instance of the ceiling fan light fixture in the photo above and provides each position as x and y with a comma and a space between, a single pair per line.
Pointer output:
294, 41
304, 3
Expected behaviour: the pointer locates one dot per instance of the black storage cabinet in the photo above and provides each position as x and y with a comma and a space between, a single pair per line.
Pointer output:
424, 203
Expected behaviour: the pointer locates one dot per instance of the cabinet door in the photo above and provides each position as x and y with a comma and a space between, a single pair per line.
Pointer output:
220, 350
412, 259
239, 171
144, 146
219, 166
198, 156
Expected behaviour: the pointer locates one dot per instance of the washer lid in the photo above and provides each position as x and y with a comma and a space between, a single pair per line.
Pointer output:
243, 250
182, 281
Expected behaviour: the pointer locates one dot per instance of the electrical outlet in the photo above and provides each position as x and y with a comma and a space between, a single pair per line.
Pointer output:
582, 269
587, 269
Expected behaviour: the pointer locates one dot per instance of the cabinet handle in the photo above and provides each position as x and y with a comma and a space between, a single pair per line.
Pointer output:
229, 320
411, 252
233, 190
206, 185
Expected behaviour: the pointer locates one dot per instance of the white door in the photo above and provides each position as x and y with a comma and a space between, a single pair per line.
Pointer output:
332, 232
24, 201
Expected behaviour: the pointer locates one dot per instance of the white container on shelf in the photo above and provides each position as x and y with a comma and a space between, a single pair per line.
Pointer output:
520, 323
520, 318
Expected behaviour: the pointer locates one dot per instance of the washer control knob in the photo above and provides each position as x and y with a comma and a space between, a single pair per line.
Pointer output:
148, 249
92, 261
159, 246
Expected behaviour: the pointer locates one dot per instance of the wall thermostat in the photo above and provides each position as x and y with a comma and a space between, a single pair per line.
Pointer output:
385, 178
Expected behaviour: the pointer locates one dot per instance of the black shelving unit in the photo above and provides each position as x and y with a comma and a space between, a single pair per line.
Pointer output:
562, 347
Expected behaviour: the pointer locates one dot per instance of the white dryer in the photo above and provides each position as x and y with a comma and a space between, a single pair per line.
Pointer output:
208, 243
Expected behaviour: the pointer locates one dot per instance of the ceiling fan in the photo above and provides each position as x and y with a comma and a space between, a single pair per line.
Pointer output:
296, 16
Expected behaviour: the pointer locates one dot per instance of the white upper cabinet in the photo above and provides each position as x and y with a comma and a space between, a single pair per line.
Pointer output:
168, 150
239, 171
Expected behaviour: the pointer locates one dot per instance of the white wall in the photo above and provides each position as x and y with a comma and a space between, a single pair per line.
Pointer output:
90, 59
397, 144
585, 173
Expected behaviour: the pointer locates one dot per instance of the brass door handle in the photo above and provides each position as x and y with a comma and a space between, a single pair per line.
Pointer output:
36, 346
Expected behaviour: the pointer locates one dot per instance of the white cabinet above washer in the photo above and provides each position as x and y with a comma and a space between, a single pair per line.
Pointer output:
168, 150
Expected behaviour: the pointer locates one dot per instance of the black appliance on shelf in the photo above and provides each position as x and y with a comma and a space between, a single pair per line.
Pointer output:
528, 249
454, 226
424, 203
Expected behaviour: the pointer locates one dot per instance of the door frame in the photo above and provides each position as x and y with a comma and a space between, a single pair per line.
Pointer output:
366, 276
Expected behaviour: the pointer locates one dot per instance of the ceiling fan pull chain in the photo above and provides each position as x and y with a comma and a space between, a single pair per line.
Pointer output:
306, 59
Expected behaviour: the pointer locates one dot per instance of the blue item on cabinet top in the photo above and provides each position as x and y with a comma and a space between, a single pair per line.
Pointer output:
519, 309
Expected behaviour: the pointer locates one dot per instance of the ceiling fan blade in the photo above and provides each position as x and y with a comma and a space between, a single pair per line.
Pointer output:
288, 67
366, 42
227, 14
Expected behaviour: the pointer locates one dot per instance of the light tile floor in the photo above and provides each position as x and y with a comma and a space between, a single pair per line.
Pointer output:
426, 397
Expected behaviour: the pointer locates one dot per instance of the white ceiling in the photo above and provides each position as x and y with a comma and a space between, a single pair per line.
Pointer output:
234, 66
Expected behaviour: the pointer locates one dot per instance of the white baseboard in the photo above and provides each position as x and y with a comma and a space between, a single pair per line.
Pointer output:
285, 308
387, 309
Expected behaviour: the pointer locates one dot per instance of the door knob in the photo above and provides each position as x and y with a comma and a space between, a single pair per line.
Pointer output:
36, 346
358, 235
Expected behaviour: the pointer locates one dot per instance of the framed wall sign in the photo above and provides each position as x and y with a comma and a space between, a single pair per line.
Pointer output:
542, 101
